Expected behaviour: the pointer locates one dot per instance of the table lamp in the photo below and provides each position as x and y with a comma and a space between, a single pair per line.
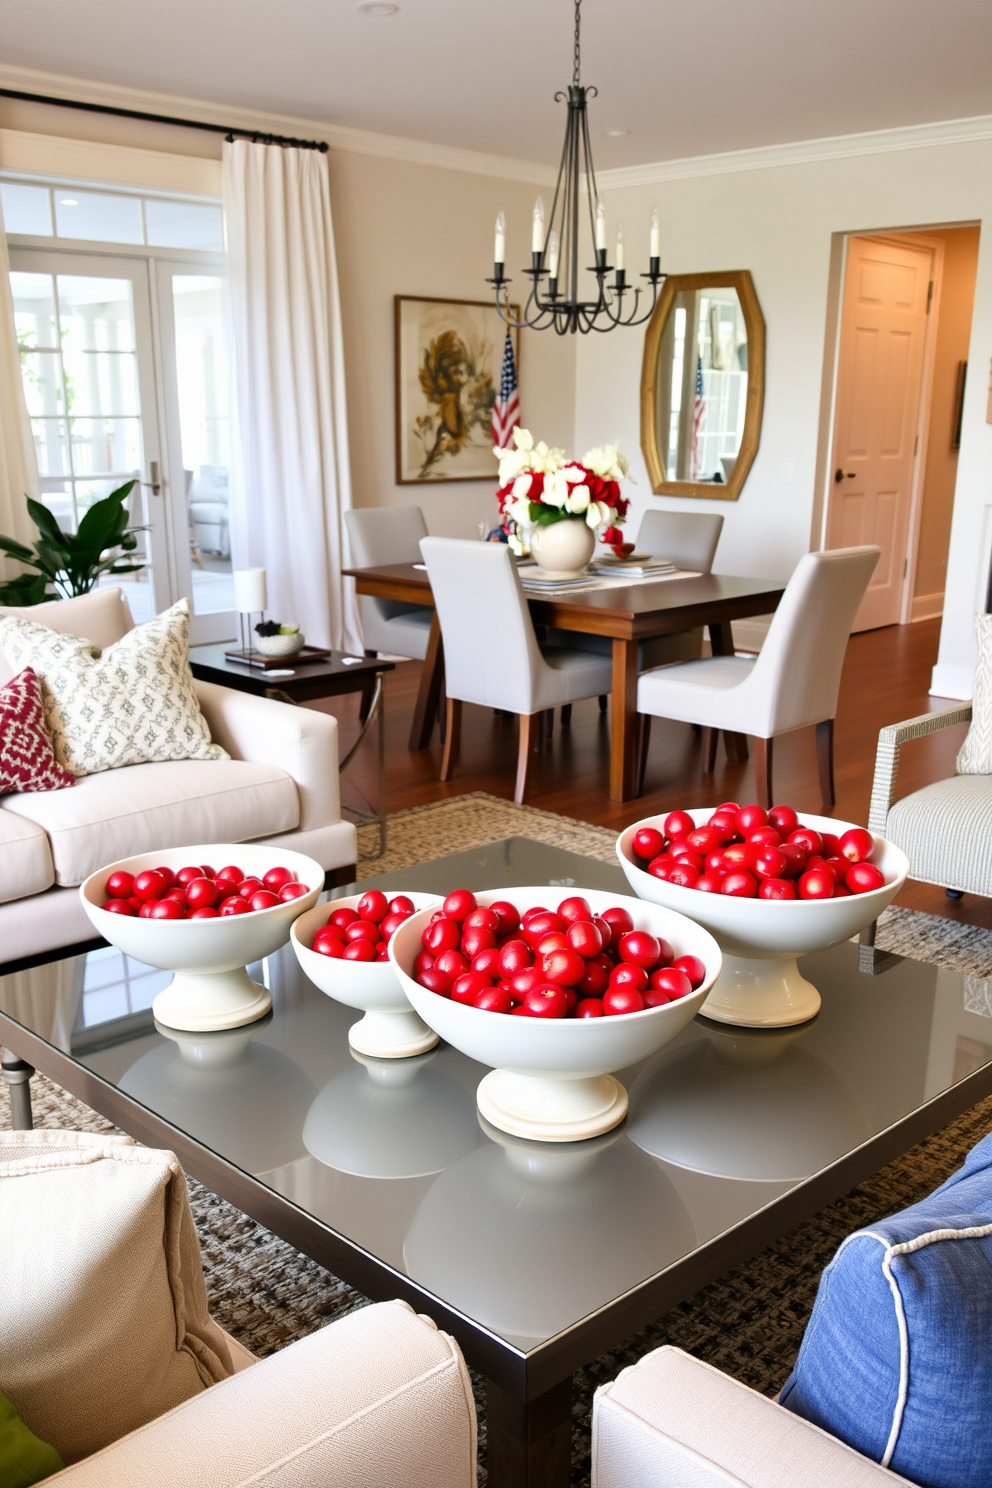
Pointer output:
250, 595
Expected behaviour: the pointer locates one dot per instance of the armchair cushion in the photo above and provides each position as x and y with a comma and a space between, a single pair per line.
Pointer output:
975, 755
945, 830
896, 1358
121, 812
103, 1312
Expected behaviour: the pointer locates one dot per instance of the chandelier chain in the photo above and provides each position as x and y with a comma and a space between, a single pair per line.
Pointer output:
576, 54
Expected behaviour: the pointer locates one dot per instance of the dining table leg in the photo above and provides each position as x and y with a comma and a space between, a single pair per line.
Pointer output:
623, 721
722, 644
429, 691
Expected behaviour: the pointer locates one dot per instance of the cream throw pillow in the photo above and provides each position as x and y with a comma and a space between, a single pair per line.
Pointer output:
975, 756
131, 703
104, 1322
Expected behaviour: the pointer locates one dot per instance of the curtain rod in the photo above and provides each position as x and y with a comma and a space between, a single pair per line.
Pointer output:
230, 132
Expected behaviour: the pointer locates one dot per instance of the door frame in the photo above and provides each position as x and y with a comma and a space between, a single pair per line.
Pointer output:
909, 238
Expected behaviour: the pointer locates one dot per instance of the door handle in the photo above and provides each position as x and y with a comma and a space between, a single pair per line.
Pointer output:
840, 475
154, 483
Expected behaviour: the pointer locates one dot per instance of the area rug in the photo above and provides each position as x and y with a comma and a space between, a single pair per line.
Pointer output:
749, 1323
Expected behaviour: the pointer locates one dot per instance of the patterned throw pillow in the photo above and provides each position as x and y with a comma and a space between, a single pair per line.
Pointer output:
132, 703
27, 759
975, 756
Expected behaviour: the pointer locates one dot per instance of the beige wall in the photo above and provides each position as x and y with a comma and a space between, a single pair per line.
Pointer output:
957, 294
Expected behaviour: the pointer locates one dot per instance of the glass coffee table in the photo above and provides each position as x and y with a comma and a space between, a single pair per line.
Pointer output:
536, 1257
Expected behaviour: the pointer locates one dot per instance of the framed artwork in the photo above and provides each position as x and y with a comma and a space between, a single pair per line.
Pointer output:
449, 359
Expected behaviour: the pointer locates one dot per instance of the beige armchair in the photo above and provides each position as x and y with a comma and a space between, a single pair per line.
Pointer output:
108, 1351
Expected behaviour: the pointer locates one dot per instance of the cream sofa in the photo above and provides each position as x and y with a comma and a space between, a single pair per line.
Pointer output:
279, 786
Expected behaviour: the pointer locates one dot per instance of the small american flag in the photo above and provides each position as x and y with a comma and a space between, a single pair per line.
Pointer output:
698, 414
506, 409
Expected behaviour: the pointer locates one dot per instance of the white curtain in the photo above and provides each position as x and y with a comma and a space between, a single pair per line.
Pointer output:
18, 463
292, 484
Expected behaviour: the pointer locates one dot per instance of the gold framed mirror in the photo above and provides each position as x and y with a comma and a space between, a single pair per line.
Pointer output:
703, 385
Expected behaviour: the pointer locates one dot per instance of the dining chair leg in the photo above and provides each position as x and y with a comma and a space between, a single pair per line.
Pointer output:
763, 771
643, 743
549, 719
603, 701
711, 738
825, 762
442, 714
566, 715
452, 736
525, 721
736, 746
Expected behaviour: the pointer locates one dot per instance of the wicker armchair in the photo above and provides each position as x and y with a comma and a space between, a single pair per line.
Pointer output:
944, 829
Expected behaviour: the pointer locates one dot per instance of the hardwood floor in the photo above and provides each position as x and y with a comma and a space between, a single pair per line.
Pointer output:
886, 677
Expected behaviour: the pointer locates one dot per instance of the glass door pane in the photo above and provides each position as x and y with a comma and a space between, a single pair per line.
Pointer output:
86, 360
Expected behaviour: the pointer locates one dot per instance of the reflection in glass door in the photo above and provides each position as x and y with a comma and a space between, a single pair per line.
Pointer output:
85, 342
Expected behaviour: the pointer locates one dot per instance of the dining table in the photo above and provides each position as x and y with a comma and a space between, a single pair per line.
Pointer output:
627, 613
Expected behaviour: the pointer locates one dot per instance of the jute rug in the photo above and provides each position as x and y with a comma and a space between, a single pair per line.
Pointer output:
749, 1323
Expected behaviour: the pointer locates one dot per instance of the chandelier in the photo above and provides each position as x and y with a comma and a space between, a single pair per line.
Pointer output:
555, 254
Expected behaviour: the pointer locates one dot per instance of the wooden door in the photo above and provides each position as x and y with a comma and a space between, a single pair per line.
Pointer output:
876, 436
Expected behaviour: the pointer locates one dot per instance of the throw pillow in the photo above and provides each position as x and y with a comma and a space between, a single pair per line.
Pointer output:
896, 1358
23, 1458
975, 755
27, 759
129, 704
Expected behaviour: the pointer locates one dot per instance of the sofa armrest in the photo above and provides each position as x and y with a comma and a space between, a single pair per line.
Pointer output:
890, 741
380, 1398
671, 1421
300, 741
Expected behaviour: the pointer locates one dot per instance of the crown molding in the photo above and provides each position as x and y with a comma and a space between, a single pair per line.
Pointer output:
338, 136
802, 152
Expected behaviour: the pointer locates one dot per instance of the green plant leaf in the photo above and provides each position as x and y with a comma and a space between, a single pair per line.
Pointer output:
102, 526
46, 524
545, 516
26, 589
16, 550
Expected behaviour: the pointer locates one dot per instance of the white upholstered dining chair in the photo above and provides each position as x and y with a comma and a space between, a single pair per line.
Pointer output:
791, 684
491, 654
389, 534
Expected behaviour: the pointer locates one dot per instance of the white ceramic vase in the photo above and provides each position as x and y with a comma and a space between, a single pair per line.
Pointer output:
564, 548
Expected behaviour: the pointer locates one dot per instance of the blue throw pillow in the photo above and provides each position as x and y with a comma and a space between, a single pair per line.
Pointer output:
897, 1358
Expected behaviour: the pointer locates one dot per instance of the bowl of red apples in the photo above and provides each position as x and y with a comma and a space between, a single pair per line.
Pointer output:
771, 886
204, 913
555, 993
342, 947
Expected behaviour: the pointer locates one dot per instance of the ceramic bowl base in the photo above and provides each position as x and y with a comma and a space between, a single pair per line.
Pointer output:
391, 1033
204, 1001
548, 1110
753, 993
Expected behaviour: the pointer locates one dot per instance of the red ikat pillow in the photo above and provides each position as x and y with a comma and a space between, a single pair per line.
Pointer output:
27, 758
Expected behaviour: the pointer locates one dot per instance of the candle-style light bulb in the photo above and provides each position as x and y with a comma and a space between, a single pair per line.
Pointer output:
621, 254
601, 225
537, 231
655, 234
552, 254
499, 250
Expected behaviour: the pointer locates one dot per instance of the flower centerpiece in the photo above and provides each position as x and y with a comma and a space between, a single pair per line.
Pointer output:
564, 502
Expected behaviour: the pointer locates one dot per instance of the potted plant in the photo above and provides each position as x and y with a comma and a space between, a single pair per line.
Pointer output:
68, 563
564, 502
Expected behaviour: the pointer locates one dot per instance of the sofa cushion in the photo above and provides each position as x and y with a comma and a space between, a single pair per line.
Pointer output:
103, 1315
975, 755
25, 857
103, 617
131, 703
27, 758
896, 1358
945, 830
122, 812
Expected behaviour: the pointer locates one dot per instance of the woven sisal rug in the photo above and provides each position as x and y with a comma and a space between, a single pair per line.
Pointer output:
749, 1323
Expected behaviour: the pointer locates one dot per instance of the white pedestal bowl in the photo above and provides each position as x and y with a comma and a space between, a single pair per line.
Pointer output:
552, 1077
211, 988
390, 1029
760, 985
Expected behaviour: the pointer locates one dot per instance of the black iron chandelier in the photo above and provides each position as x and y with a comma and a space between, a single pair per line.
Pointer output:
555, 253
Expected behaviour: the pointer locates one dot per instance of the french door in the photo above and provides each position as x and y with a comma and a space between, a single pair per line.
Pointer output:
124, 370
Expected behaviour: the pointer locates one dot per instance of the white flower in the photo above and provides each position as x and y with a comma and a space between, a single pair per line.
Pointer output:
555, 489
515, 544
519, 511
523, 439
608, 462
512, 464
578, 498
522, 485
574, 474
597, 514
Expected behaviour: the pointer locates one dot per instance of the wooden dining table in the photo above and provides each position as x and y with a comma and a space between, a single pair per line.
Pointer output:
627, 614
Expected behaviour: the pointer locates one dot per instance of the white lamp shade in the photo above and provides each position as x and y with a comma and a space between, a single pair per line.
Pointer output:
250, 592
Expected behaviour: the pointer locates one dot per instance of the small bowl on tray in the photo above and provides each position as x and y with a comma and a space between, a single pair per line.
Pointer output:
390, 1029
760, 985
551, 1078
211, 988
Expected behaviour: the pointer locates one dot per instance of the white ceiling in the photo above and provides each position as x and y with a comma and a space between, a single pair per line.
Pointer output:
686, 78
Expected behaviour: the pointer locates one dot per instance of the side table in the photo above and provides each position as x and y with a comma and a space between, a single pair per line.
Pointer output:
338, 673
